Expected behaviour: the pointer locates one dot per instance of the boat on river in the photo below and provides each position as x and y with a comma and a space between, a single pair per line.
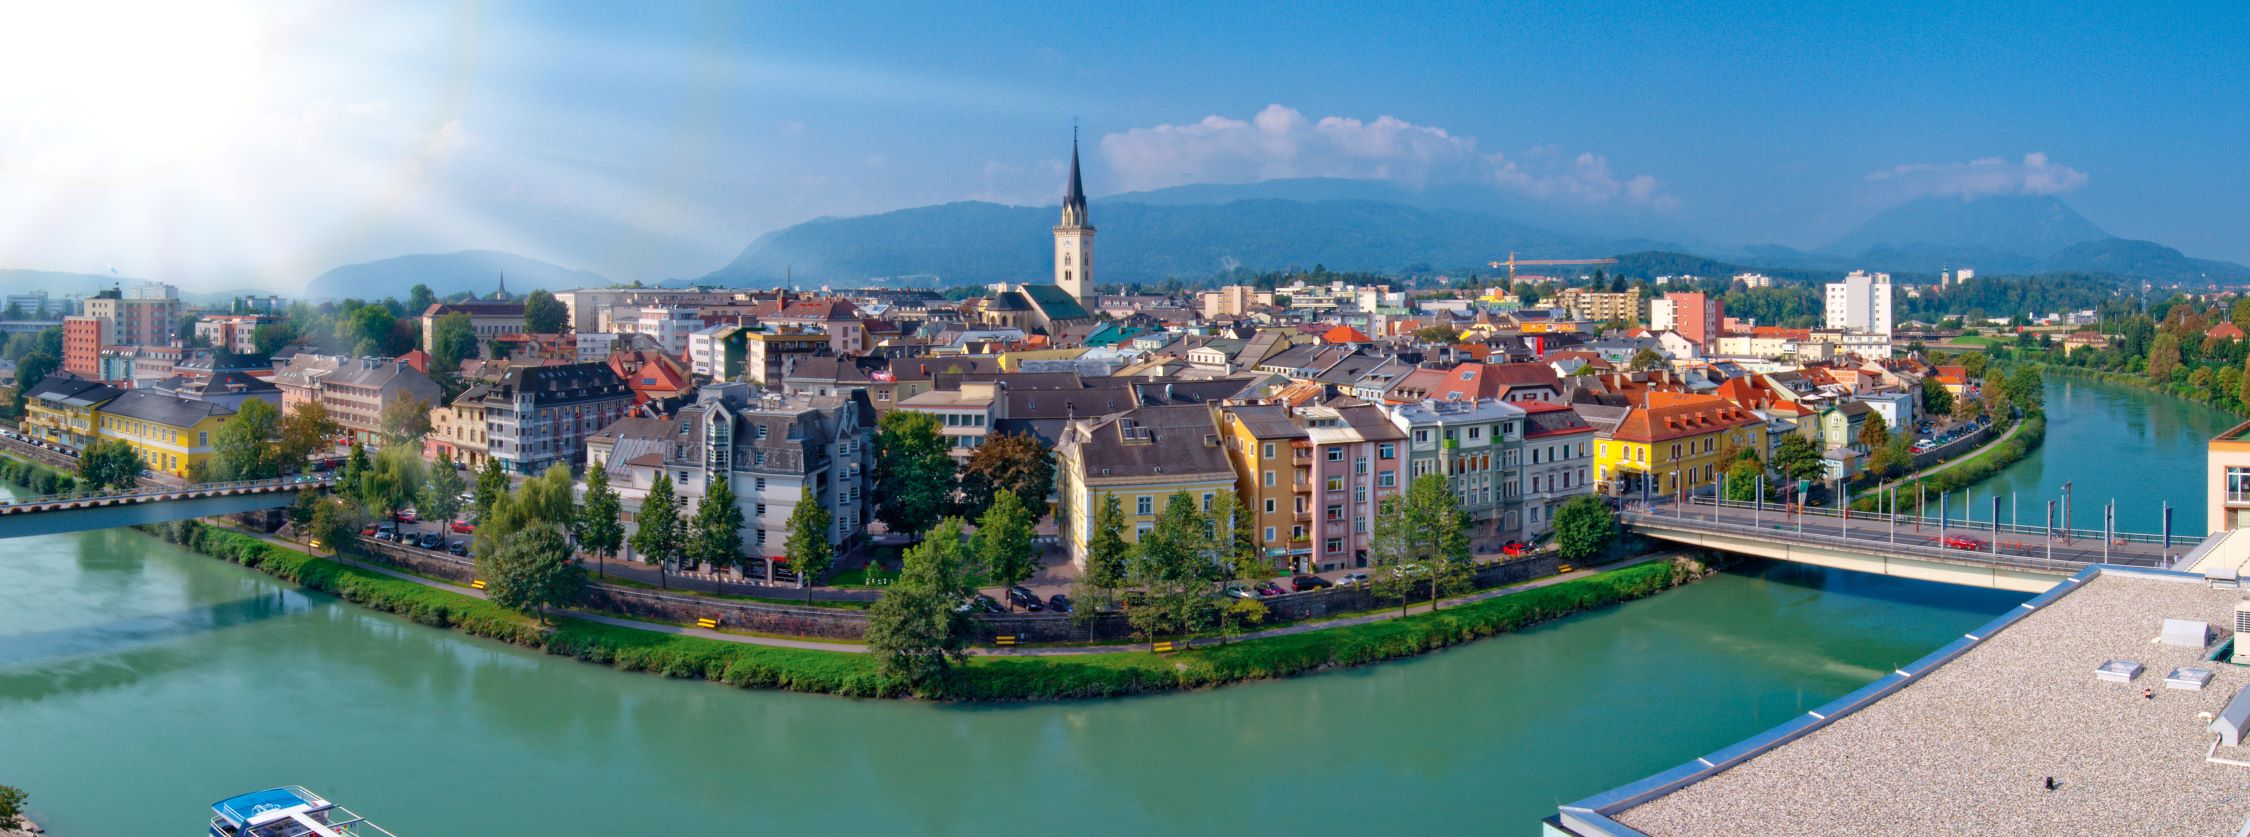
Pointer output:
287, 812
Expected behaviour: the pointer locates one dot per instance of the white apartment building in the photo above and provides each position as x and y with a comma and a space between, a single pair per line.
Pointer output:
1754, 280
1862, 303
669, 326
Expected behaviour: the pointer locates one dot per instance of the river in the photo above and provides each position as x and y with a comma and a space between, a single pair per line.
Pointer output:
139, 682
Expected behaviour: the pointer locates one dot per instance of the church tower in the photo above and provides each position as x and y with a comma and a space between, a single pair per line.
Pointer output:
1074, 239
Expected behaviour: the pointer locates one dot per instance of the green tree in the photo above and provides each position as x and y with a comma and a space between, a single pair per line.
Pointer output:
244, 447
544, 314
658, 533
352, 481
1106, 556
453, 338
301, 511
913, 472
1437, 334
405, 421
11, 805
272, 337
492, 484
367, 329
305, 431
918, 628
1874, 432
1893, 458
599, 525
1003, 545
1742, 479
541, 500
808, 548
1936, 399
419, 299
2163, 357
440, 497
1241, 560
1646, 360
334, 526
715, 536
533, 572
2027, 390
1173, 564
32, 369
110, 463
394, 481
1797, 458
1421, 537
1017, 462
1584, 526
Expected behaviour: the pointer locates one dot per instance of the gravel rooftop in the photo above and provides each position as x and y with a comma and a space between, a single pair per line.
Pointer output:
1967, 748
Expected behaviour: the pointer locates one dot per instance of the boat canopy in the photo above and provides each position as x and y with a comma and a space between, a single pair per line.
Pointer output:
241, 809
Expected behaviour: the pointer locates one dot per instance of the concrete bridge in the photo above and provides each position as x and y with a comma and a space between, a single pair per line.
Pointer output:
2027, 559
27, 516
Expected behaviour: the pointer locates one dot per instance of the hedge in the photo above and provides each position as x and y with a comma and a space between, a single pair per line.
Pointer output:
982, 679
37, 478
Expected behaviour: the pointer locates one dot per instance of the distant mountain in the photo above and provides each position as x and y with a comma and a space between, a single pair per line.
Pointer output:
468, 270
57, 283
2147, 259
2035, 226
975, 242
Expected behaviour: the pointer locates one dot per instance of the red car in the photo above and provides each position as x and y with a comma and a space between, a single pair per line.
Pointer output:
463, 527
1963, 542
367, 530
1514, 549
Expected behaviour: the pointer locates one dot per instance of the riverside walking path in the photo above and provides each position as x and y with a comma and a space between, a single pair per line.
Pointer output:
1043, 651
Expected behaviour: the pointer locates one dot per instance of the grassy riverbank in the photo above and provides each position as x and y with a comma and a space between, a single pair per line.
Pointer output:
2141, 382
1970, 470
983, 678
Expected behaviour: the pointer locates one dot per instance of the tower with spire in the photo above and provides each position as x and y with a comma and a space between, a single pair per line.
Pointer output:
1074, 238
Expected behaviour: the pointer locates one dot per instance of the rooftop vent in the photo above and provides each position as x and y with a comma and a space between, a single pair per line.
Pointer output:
2186, 633
2188, 677
2118, 671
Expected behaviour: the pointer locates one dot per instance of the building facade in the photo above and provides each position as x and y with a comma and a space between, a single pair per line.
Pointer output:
1673, 442
1860, 303
360, 388
83, 339
173, 435
1558, 460
1477, 446
539, 416
1142, 457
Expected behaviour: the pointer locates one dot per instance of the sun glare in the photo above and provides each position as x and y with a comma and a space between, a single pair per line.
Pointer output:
111, 90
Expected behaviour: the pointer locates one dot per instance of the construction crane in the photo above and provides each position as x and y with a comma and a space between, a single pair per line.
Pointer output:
1513, 261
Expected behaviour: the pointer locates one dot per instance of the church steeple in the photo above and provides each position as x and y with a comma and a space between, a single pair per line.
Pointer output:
1074, 199
1074, 238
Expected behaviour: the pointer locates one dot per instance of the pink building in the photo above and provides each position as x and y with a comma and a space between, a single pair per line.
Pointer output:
1358, 458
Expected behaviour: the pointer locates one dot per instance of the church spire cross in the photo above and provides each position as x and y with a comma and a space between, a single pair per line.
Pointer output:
1074, 199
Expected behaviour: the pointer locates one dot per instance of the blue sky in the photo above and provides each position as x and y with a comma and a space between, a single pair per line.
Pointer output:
231, 146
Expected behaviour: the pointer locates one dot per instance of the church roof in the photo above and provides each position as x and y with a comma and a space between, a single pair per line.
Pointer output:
1055, 302
1074, 199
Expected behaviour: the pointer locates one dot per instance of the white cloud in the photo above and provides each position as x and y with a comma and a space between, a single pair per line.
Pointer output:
1281, 142
2034, 175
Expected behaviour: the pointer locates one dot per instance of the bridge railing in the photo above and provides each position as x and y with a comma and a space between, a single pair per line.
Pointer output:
1929, 521
1783, 531
156, 493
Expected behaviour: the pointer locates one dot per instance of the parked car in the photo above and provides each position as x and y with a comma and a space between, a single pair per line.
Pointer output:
1268, 588
367, 530
463, 527
409, 515
1963, 542
1023, 597
1239, 591
989, 604
1301, 583
430, 540
386, 532
460, 548
1058, 603
1350, 579
1514, 549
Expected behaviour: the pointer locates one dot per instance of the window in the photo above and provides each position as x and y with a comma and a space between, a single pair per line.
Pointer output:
1269, 453
1476, 433
1421, 437
1146, 505
1335, 454
1335, 544
1269, 534
1142, 528
1335, 483
1386, 450
1269, 479
1335, 511
1387, 479
1271, 507
1206, 501
1359, 494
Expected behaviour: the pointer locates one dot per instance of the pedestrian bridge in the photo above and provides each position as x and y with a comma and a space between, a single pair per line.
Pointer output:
85, 511
2027, 559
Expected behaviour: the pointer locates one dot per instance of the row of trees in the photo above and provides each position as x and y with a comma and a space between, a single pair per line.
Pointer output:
918, 483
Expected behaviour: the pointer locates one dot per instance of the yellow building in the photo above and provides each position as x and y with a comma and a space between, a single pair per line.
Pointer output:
1674, 440
62, 409
172, 435
1142, 458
